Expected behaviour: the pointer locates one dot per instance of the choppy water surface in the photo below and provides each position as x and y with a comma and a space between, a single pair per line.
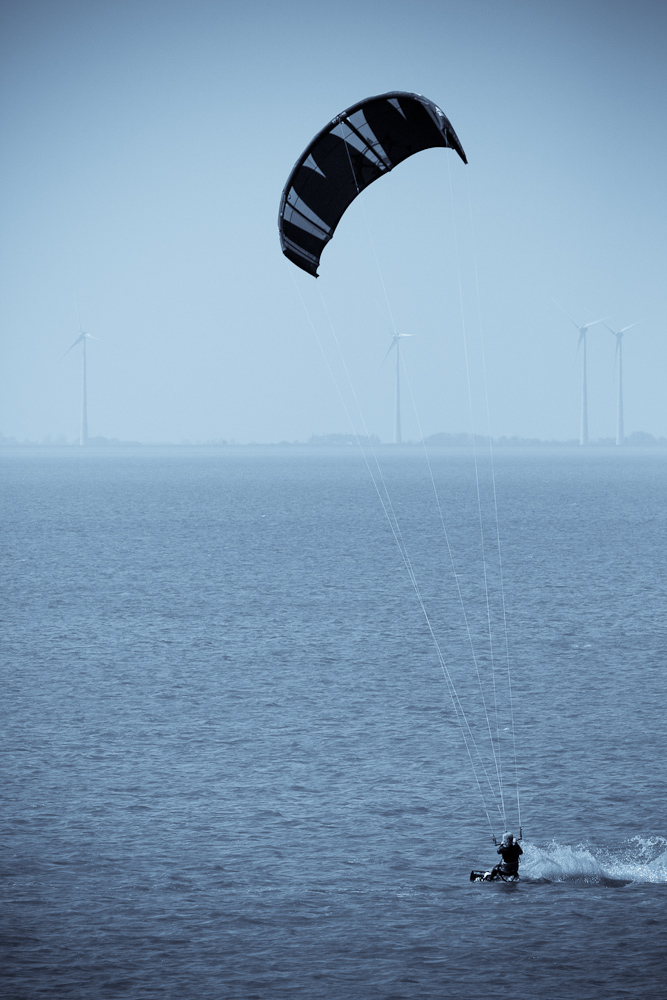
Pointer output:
231, 765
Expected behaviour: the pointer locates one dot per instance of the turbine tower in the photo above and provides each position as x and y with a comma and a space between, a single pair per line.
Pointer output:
620, 436
395, 338
81, 339
583, 330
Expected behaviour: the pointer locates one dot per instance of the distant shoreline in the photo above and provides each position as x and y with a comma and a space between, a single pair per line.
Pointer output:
638, 441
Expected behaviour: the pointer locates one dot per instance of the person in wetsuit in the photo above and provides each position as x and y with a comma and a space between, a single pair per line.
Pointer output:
510, 851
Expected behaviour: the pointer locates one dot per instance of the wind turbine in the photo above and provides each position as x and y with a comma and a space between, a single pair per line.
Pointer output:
395, 338
620, 437
81, 339
583, 330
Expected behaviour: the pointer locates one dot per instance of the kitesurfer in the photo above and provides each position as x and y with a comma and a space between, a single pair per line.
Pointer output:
510, 851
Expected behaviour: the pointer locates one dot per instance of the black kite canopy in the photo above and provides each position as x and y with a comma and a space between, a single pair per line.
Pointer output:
353, 150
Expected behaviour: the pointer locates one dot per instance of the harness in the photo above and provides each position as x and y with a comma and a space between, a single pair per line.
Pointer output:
508, 876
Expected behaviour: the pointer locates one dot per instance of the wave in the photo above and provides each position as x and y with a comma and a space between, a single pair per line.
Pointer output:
641, 859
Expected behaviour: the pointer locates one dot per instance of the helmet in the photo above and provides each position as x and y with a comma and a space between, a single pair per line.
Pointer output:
508, 839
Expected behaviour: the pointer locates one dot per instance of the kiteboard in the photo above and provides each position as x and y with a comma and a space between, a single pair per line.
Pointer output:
489, 876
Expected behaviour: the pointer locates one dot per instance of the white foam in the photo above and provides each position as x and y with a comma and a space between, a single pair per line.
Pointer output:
639, 860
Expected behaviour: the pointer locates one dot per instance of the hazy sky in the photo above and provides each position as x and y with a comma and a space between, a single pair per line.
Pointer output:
145, 148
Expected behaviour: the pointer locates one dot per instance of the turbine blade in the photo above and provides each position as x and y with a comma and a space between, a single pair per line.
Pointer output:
391, 347
567, 314
77, 341
78, 319
595, 321
385, 321
619, 333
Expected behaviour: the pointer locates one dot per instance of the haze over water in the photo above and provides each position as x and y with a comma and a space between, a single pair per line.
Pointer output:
230, 763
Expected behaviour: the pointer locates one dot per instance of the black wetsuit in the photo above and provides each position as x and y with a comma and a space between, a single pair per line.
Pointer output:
510, 864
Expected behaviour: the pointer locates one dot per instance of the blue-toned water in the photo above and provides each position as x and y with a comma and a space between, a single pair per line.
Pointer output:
231, 767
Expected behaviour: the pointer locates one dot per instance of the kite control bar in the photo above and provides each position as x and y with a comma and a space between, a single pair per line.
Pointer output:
516, 839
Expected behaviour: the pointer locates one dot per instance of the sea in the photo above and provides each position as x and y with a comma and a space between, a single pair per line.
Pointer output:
264, 709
